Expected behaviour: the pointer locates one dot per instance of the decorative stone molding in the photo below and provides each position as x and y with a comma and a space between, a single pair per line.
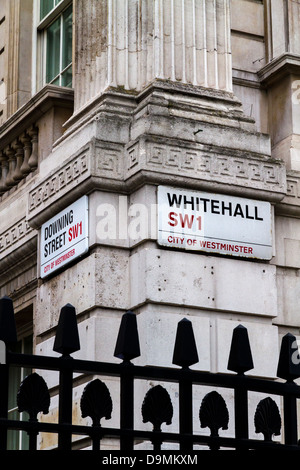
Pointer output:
108, 161
10, 238
207, 165
108, 166
60, 182
27, 116
290, 204
19, 135
18, 159
286, 63
96, 161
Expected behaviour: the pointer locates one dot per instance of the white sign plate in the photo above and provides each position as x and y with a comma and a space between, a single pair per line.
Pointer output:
64, 237
214, 223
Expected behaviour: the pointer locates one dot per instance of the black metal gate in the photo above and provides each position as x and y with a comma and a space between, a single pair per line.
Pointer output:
96, 403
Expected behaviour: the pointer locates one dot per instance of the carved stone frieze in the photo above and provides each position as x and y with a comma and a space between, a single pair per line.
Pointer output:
196, 161
97, 159
290, 204
10, 237
107, 160
58, 183
105, 165
293, 189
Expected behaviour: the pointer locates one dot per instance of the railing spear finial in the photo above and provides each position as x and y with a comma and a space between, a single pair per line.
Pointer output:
67, 338
289, 360
127, 345
240, 356
185, 350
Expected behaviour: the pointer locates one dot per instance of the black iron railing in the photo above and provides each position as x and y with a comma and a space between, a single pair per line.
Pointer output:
34, 397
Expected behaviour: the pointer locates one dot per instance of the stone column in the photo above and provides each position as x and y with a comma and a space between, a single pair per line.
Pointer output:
281, 75
130, 43
18, 53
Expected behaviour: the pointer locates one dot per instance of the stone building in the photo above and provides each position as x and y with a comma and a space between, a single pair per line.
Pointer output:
150, 160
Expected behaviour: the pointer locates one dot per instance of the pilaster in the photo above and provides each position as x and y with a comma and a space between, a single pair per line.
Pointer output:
130, 43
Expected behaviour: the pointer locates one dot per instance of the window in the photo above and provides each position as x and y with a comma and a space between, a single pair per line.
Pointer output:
18, 440
55, 30
46, 6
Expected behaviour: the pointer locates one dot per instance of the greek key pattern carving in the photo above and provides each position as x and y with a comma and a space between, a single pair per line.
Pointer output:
69, 175
15, 233
108, 161
246, 170
293, 190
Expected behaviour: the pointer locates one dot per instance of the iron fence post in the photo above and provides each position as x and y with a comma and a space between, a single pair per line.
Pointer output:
96, 403
65, 405
126, 405
96, 439
186, 413
4, 380
241, 413
33, 433
185, 355
290, 419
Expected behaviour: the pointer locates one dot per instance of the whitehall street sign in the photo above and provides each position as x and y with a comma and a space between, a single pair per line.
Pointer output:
64, 237
214, 223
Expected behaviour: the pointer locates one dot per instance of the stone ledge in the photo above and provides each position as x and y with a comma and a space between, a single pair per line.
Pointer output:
276, 69
37, 106
290, 204
15, 261
208, 165
114, 167
9, 240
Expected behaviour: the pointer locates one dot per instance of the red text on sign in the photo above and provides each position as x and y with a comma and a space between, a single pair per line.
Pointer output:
184, 221
75, 231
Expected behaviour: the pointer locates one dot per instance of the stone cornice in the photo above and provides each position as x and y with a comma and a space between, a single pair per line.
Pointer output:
283, 65
48, 97
205, 167
150, 160
16, 236
166, 94
290, 204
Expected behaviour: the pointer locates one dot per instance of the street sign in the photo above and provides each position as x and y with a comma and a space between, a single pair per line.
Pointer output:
214, 223
64, 237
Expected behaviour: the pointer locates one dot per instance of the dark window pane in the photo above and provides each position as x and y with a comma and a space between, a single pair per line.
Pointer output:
45, 7
18, 440
13, 436
67, 38
53, 50
66, 77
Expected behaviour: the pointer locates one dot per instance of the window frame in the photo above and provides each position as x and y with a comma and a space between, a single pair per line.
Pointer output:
24, 324
41, 43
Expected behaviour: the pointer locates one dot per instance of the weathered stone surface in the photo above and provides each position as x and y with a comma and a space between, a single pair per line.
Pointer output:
178, 278
188, 42
100, 279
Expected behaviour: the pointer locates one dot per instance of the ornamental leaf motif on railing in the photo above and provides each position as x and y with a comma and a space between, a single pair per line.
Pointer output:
267, 419
33, 396
213, 413
157, 407
96, 402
